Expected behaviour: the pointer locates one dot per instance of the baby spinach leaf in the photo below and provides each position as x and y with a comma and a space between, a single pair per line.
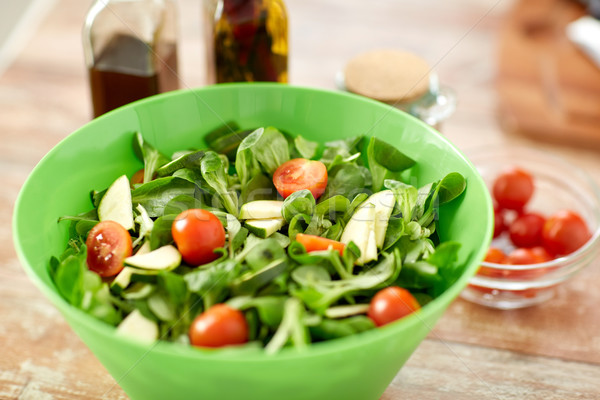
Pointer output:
319, 298
264, 253
155, 195
332, 329
260, 187
418, 275
300, 202
228, 143
271, 150
451, 186
406, 197
188, 160
346, 180
310, 275
393, 233
330, 207
214, 171
252, 281
212, 283
337, 151
269, 308
298, 224
246, 163
384, 158
161, 231
291, 330
306, 148
152, 158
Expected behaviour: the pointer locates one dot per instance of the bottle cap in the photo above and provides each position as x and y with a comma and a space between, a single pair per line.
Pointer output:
389, 76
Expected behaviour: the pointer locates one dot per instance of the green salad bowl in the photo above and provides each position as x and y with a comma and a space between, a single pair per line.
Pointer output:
354, 367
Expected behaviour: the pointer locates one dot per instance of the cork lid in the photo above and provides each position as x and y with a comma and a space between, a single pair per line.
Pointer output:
387, 75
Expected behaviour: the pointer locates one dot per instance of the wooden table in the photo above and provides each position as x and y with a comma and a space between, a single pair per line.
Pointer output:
545, 352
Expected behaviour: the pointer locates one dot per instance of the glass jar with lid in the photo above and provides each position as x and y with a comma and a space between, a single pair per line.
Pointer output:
130, 49
401, 79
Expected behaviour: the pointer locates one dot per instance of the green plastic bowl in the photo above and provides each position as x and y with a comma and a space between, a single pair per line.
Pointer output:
357, 367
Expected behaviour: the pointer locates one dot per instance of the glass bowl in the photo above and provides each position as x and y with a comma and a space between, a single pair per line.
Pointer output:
558, 185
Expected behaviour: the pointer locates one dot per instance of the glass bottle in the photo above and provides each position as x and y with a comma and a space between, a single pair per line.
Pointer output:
250, 41
130, 50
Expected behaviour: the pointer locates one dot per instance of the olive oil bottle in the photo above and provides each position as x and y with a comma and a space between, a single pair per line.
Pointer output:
249, 41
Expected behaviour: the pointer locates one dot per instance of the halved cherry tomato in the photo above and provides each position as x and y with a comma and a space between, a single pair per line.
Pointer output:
197, 233
565, 232
391, 304
513, 188
526, 230
219, 326
316, 243
108, 244
137, 177
298, 174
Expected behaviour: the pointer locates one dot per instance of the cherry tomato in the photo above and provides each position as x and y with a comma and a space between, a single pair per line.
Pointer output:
495, 255
391, 304
197, 233
513, 188
316, 243
564, 232
137, 177
541, 254
526, 230
298, 174
108, 244
522, 256
499, 221
219, 326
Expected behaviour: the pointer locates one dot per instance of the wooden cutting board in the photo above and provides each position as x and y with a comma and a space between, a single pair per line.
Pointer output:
548, 88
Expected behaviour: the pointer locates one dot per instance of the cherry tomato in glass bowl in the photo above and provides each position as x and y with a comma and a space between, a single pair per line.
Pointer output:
526, 230
197, 234
391, 304
219, 326
499, 221
564, 232
513, 188
298, 174
108, 245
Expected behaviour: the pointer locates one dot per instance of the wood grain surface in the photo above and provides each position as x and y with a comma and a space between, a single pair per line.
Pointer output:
550, 351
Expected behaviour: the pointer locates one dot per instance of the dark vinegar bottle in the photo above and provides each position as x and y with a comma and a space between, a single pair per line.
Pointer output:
131, 51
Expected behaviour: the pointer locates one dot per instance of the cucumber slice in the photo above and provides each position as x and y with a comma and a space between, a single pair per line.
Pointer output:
384, 202
261, 209
116, 203
165, 257
136, 326
359, 228
264, 228
122, 280
346, 310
